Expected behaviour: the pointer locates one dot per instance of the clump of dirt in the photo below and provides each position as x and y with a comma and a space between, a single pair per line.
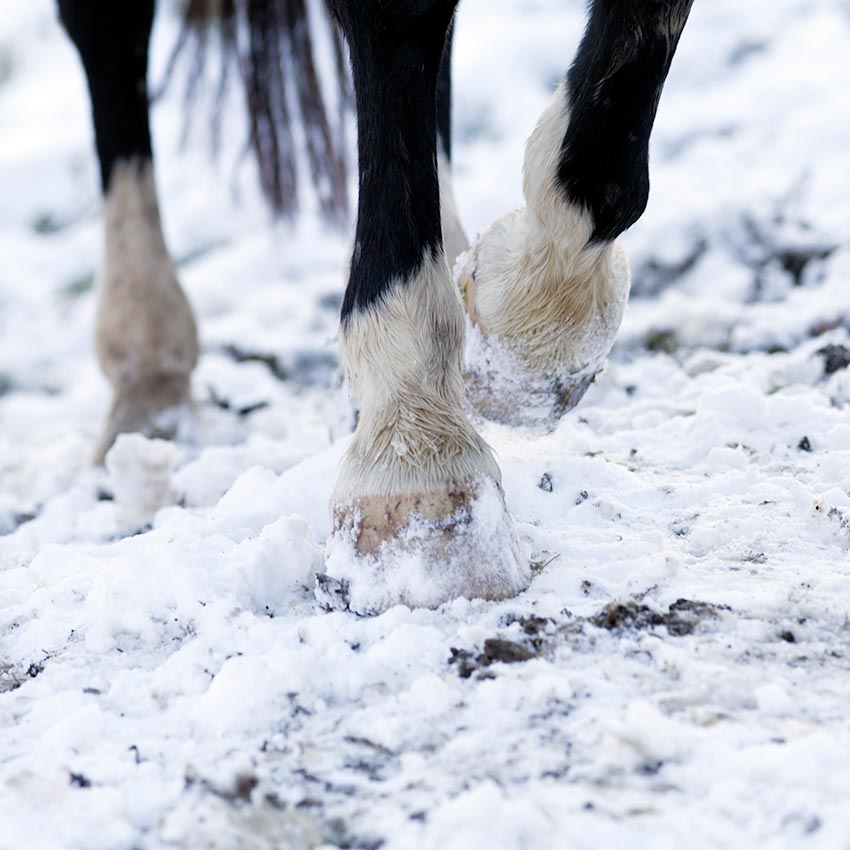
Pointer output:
681, 618
79, 780
495, 649
506, 651
835, 358
664, 341
545, 483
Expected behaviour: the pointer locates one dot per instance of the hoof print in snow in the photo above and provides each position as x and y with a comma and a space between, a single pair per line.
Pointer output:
835, 358
805, 445
545, 483
332, 594
681, 619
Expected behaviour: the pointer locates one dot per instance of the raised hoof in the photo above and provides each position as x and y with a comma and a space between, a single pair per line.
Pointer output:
158, 407
425, 549
501, 388
543, 324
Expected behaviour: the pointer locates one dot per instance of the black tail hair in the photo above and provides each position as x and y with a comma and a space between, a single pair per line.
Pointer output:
272, 46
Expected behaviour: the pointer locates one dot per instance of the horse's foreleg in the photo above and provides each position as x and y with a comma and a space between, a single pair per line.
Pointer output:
416, 469
146, 337
547, 284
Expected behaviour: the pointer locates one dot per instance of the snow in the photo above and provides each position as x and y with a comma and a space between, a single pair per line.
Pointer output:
167, 677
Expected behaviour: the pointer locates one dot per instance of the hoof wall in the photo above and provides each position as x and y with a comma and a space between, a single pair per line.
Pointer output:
425, 549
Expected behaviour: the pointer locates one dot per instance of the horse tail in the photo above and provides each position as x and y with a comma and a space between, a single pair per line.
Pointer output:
272, 44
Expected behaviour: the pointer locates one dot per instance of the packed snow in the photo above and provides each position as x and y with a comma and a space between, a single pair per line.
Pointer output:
677, 674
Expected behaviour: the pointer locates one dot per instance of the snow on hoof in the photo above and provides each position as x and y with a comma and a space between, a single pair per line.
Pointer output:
425, 549
545, 297
157, 408
541, 332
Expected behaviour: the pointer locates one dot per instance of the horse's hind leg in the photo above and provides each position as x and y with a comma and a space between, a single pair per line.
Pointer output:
547, 284
147, 342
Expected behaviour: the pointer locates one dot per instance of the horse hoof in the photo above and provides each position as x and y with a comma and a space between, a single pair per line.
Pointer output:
426, 548
158, 407
544, 320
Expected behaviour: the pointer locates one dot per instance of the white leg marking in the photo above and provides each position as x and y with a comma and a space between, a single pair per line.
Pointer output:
547, 301
418, 488
147, 342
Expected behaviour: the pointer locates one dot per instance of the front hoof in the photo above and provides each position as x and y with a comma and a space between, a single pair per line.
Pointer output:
427, 548
545, 316
502, 388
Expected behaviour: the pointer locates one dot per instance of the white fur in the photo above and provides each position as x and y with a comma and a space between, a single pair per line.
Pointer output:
147, 341
402, 358
532, 282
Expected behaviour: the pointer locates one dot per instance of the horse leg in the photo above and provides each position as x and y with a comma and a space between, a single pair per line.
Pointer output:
547, 285
416, 471
147, 341
454, 235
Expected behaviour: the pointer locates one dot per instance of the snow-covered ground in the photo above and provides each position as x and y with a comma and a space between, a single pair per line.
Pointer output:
678, 674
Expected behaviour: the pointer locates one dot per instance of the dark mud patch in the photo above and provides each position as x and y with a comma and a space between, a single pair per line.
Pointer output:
305, 368
540, 636
835, 358
495, 650
79, 780
682, 618
270, 361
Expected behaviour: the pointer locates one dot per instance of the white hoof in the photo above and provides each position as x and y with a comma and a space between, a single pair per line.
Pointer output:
425, 549
542, 332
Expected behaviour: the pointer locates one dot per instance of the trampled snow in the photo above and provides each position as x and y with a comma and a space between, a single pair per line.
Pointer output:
678, 673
